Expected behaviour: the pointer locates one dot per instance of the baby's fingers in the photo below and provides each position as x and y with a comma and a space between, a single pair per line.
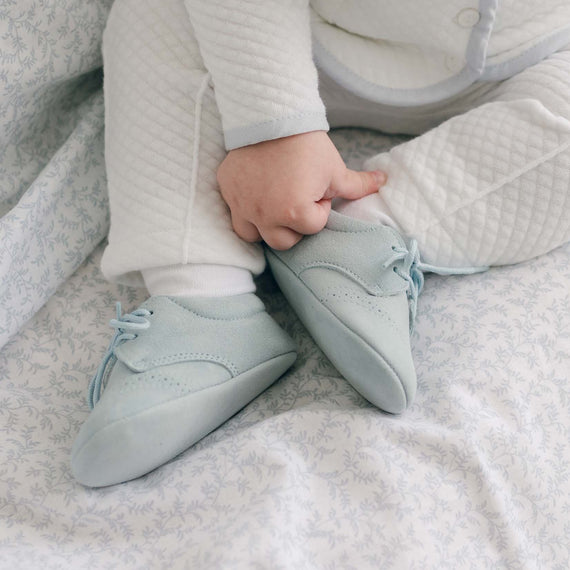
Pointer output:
280, 237
310, 219
352, 184
245, 230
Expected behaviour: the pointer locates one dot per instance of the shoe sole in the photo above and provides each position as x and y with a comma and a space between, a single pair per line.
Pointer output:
155, 436
358, 362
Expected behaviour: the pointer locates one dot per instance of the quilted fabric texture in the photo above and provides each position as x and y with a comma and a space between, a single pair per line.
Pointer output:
488, 187
517, 23
259, 55
491, 186
410, 53
404, 21
164, 143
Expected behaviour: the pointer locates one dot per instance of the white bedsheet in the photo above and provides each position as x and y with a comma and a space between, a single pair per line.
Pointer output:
476, 474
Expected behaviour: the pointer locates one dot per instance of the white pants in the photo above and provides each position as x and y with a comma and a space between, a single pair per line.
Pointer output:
490, 185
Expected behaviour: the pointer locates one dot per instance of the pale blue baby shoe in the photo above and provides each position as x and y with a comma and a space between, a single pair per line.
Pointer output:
355, 285
175, 370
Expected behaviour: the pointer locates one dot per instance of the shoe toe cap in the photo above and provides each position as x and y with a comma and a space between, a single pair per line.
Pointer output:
143, 420
139, 424
376, 333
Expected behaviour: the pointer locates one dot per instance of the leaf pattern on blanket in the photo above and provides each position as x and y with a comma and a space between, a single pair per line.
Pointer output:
309, 475
53, 200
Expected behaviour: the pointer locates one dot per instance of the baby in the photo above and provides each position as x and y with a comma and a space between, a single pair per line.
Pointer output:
216, 139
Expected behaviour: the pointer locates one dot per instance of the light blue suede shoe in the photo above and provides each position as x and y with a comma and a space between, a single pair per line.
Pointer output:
175, 370
355, 285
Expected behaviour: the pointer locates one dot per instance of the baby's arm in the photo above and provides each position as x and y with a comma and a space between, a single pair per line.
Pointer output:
282, 169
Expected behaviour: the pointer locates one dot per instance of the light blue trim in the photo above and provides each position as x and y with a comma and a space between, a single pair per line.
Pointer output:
474, 70
475, 57
375, 93
527, 58
476, 52
270, 130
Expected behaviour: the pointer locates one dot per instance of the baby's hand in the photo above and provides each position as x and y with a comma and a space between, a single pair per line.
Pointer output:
280, 190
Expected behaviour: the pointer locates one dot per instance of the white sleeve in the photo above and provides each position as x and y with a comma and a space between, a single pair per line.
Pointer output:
259, 55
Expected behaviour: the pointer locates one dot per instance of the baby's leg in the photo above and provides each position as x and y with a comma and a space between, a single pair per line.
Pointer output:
164, 143
202, 347
492, 185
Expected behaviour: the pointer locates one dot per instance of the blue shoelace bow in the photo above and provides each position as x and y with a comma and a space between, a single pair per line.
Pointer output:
126, 327
415, 275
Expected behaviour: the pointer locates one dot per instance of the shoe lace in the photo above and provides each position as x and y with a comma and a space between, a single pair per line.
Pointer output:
415, 274
126, 327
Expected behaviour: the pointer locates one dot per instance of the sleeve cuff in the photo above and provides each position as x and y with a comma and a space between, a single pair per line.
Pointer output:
269, 130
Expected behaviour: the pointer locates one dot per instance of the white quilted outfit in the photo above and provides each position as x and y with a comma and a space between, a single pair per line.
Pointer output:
485, 84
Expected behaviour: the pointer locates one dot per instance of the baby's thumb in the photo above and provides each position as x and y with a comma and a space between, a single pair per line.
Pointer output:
353, 184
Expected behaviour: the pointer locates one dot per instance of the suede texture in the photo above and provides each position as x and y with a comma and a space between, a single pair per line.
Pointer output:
205, 330
355, 305
197, 364
352, 247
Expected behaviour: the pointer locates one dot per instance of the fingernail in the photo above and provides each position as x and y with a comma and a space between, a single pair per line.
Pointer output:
380, 177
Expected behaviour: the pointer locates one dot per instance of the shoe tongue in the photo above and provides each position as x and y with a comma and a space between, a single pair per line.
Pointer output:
341, 223
161, 343
355, 248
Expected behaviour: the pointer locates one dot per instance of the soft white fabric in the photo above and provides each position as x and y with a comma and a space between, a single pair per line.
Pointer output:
346, 109
164, 143
196, 280
259, 55
372, 209
397, 52
407, 53
519, 23
491, 186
